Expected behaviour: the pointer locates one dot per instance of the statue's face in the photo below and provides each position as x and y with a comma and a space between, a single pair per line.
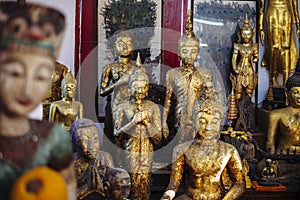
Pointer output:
188, 52
294, 96
124, 46
69, 90
89, 141
208, 124
247, 36
24, 81
139, 89
121, 189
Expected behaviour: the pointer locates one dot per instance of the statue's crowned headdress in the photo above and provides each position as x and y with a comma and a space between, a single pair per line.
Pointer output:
246, 25
31, 28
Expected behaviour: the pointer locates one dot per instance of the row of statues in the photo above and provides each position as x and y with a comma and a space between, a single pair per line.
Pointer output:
213, 167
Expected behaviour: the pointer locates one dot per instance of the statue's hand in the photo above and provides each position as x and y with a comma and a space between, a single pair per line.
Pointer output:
298, 33
165, 130
165, 197
168, 195
138, 117
262, 37
270, 147
156, 138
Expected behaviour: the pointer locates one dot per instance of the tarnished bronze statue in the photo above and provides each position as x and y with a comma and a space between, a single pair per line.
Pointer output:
187, 82
209, 161
116, 184
285, 122
245, 54
281, 52
67, 110
137, 128
90, 164
30, 39
54, 93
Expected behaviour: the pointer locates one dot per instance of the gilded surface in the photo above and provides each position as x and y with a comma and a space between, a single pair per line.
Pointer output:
285, 123
54, 92
137, 126
187, 83
90, 164
67, 110
244, 55
214, 167
118, 72
281, 52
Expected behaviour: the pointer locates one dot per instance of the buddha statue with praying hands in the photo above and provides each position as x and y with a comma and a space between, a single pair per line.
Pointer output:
214, 167
284, 123
137, 128
67, 110
186, 82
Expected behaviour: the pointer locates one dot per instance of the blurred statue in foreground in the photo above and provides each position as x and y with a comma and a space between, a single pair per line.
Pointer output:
90, 163
66, 111
137, 128
54, 93
244, 55
30, 39
280, 51
214, 167
284, 123
187, 83
117, 184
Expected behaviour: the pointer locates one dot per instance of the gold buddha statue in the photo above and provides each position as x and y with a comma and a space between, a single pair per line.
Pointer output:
54, 92
209, 161
186, 82
90, 163
114, 79
137, 128
280, 50
285, 122
67, 110
244, 55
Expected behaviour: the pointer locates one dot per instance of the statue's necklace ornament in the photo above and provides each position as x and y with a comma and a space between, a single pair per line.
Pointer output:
30, 137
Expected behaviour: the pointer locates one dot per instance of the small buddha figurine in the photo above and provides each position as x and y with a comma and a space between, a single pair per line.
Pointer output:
30, 40
209, 161
244, 55
54, 92
285, 122
67, 110
281, 54
117, 184
90, 164
138, 128
186, 82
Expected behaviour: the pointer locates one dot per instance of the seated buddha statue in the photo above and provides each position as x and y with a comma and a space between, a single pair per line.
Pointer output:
54, 92
214, 167
284, 123
67, 110
90, 163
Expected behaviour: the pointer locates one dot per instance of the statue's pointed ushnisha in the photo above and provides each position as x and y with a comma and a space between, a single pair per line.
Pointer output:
189, 25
